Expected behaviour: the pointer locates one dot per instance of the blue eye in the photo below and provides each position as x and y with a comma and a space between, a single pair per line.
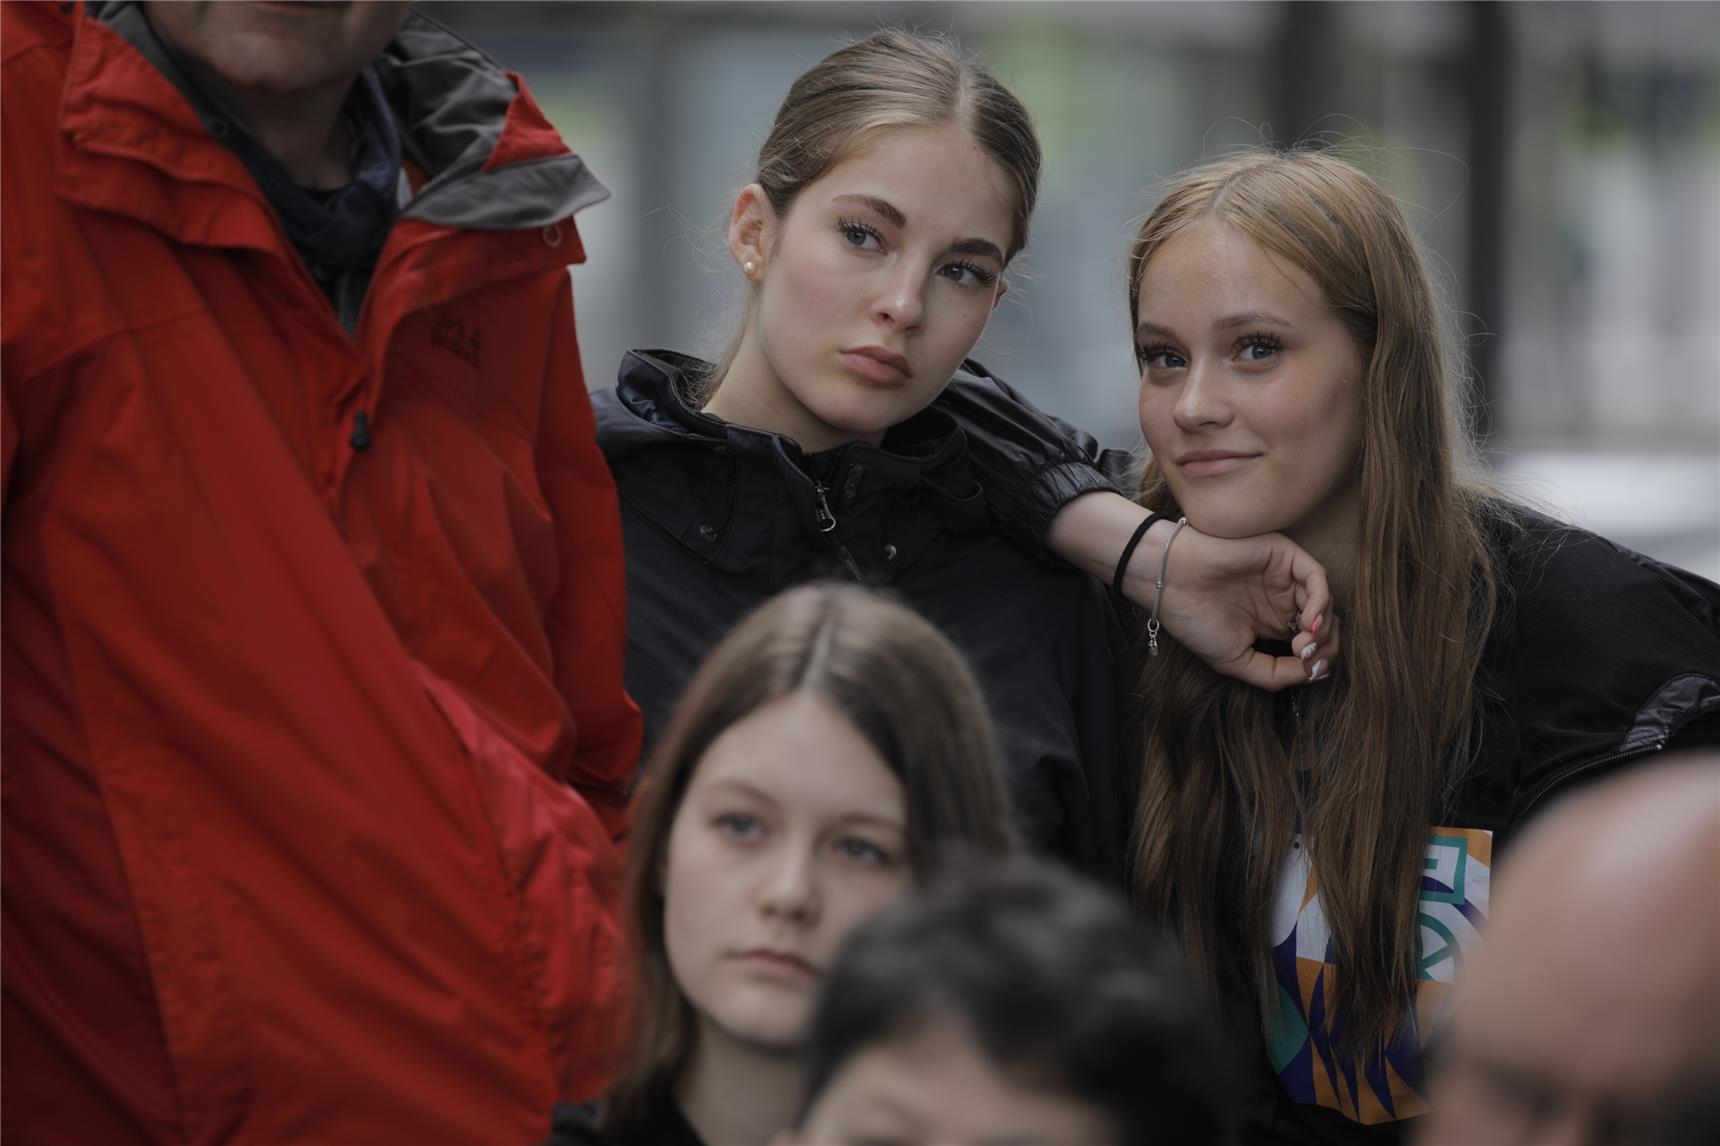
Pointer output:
738, 826
1160, 356
861, 236
864, 852
1257, 347
963, 273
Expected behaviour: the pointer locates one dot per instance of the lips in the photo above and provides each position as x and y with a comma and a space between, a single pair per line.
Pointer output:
1213, 463
878, 365
777, 964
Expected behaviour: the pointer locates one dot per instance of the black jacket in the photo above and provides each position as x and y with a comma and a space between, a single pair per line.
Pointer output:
719, 517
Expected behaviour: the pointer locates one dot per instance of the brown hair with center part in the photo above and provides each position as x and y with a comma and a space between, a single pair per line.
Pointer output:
901, 684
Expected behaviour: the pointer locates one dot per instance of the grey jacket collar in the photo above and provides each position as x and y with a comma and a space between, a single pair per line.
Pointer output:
451, 104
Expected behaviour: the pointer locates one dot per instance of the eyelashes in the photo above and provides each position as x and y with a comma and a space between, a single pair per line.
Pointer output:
1264, 342
1259, 340
1156, 353
857, 232
863, 236
981, 274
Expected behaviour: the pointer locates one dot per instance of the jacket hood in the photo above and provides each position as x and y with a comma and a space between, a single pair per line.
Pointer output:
754, 503
655, 388
495, 162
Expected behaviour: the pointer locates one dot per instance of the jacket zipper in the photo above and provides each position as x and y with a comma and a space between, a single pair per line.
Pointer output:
1570, 773
821, 512
360, 437
826, 521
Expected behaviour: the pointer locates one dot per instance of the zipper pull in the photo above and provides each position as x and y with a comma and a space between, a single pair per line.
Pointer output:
821, 512
361, 433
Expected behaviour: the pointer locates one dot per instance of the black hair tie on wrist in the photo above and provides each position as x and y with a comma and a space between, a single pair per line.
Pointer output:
1129, 550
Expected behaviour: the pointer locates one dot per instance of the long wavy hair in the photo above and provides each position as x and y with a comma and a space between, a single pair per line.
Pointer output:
901, 684
1382, 746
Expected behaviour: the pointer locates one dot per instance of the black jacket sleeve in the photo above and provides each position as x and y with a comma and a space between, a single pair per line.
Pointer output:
1030, 463
1619, 658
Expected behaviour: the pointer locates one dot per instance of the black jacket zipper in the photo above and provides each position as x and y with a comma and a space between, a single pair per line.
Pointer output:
826, 520
821, 512
1571, 773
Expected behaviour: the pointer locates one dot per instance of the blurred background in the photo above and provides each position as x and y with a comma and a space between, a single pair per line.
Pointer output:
1560, 160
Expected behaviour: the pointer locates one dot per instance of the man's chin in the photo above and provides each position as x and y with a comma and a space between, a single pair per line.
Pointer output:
273, 65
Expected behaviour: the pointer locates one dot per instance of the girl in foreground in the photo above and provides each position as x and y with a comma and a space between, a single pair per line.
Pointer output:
893, 191
1325, 855
831, 748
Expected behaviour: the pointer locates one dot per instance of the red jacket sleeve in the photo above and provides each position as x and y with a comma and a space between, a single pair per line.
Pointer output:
587, 619
8, 440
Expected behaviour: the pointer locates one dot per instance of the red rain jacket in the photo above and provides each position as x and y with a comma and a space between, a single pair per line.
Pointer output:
314, 741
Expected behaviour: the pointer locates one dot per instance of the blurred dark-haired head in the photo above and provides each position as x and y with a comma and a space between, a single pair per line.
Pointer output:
1015, 1000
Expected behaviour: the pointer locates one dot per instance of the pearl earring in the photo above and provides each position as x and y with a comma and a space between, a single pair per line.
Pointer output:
749, 268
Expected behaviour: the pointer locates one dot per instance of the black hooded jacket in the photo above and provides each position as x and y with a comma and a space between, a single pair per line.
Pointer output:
719, 517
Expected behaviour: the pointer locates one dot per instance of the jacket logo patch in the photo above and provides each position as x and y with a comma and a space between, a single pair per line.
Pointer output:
458, 339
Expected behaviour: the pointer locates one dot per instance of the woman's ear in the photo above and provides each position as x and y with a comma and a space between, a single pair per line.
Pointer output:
751, 218
1002, 289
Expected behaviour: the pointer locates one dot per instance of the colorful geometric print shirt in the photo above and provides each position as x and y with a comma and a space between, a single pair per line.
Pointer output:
1455, 889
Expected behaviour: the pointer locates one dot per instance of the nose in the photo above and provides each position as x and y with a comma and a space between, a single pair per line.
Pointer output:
789, 888
1203, 403
901, 300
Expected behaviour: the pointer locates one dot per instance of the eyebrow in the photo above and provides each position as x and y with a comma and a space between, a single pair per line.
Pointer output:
1228, 322
1250, 318
893, 215
764, 797
883, 206
982, 247
745, 789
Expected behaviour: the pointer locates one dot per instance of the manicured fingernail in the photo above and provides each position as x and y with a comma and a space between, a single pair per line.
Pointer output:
1315, 627
1308, 652
1318, 672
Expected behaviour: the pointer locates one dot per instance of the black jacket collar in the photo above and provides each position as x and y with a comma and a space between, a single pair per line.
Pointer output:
752, 503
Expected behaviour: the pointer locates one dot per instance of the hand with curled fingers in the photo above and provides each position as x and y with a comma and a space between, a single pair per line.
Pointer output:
1219, 595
